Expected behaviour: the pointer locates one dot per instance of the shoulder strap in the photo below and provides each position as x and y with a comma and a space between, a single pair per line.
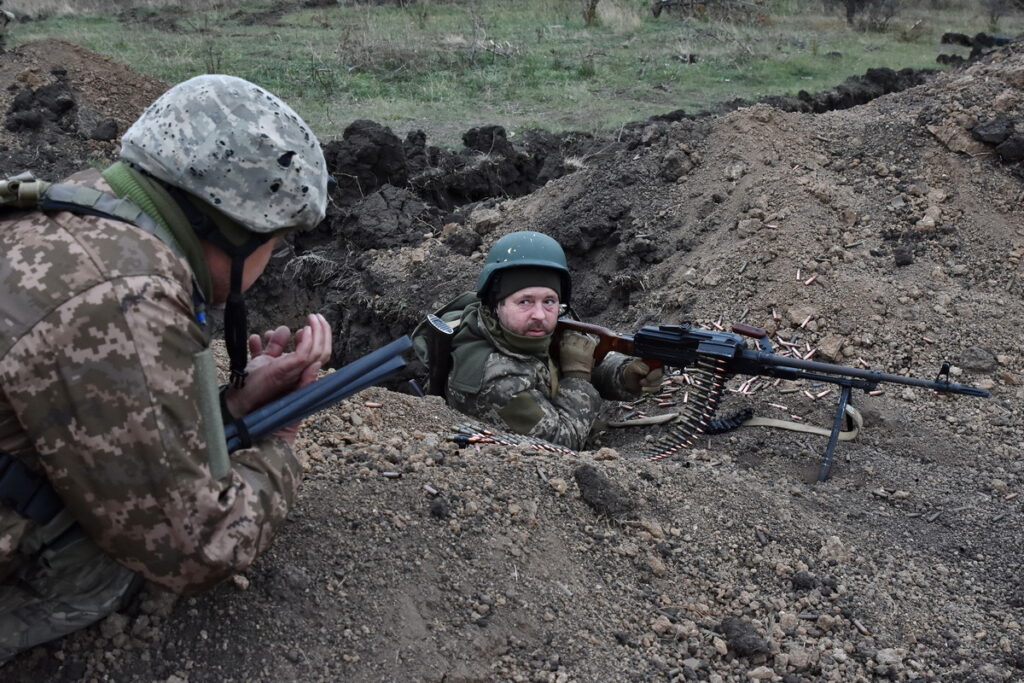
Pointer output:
25, 191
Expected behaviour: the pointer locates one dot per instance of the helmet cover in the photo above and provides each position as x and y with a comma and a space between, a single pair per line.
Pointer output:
237, 147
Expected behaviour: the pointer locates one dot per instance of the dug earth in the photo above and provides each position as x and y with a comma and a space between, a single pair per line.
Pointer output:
888, 235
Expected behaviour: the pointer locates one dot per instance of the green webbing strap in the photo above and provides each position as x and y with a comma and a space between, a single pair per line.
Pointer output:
851, 434
65, 197
24, 191
209, 407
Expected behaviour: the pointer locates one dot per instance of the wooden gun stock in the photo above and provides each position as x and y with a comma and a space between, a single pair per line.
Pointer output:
608, 340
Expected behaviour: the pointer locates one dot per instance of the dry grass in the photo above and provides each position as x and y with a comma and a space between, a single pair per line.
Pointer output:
312, 269
620, 15
49, 8
448, 65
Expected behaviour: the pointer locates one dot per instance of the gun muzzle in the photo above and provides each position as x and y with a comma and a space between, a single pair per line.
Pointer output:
439, 350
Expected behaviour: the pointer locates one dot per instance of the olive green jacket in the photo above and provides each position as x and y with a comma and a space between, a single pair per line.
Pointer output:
525, 394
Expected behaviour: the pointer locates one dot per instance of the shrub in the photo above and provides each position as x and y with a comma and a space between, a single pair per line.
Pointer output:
868, 15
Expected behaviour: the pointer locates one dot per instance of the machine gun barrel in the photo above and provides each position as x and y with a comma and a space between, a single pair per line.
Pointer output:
717, 354
752, 362
680, 346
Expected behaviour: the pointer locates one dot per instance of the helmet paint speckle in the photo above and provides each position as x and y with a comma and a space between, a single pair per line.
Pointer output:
225, 138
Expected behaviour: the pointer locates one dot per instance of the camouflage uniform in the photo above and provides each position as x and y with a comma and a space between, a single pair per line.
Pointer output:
99, 346
526, 392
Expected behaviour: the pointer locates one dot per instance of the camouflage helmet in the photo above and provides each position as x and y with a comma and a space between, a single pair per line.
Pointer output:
524, 249
237, 147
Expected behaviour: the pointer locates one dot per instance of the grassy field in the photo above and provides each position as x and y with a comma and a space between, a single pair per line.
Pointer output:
445, 67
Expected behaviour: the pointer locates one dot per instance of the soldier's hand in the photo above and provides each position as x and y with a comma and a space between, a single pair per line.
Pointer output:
639, 377
576, 354
274, 371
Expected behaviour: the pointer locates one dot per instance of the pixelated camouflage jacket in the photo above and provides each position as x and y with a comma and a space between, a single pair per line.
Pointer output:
526, 393
98, 390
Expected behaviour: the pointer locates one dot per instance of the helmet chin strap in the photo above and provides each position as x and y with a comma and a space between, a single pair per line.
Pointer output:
236, 328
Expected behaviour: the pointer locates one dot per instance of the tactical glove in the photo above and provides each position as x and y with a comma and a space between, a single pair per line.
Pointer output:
576, 354
638, 377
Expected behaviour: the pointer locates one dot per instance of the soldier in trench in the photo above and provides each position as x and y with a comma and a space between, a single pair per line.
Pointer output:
502, 366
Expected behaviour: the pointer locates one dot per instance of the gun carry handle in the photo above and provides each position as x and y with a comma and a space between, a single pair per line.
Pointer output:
761, 335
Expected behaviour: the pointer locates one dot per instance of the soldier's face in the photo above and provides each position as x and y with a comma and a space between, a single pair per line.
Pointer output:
530, 312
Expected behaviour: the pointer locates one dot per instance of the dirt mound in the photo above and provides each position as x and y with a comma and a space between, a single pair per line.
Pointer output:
370, 156
403, 193
64, 107
888, 234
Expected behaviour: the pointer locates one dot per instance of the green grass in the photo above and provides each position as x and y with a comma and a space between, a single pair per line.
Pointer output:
520, 63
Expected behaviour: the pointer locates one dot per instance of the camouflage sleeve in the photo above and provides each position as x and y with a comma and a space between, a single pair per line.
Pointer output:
607, 377
567, 418
105, 387
509, 394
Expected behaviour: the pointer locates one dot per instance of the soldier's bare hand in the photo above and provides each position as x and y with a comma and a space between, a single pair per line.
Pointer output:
274, 371
273, 343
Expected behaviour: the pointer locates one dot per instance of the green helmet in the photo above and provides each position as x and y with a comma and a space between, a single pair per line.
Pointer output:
524, 249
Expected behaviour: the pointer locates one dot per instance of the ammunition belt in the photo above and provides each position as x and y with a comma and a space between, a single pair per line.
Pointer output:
696, 416
475, 434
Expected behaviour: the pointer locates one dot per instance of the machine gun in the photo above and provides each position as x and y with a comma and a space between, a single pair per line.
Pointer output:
712, 357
